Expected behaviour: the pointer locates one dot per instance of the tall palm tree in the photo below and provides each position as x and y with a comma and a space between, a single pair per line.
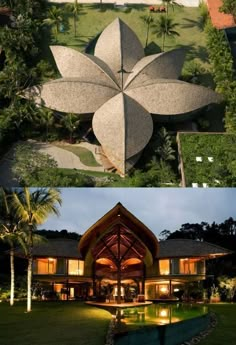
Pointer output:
10, 232
75, 9
33, 208
171, 3
163, 27
147, 20
54, 18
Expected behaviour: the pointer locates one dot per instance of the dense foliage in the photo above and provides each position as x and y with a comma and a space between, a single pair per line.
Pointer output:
220, 170
223, 72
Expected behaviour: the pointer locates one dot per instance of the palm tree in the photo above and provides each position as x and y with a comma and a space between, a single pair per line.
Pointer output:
54, 18
165, 26
33, 209
47, 119
75, 9
71, 123
147, 20
9, 232
164, 146
171, 3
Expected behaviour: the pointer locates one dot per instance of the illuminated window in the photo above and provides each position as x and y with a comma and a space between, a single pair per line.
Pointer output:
187, 266
164, 267
75, 267
46, 266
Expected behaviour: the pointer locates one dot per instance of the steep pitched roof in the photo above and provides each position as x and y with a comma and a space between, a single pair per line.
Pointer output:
119, 215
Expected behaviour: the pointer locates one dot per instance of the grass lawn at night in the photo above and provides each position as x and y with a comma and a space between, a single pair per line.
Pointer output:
224, 332
53, 323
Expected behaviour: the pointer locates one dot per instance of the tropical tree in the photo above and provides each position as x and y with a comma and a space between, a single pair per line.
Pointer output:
33, 208
164, 145
47, 120
55, 18
229, 7
10, 232
163, 27
75, 9
71, 123
169, 3
147, 20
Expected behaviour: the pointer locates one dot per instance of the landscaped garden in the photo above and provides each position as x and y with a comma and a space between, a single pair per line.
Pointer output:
77, 26
53, 323
60, 323
208, 158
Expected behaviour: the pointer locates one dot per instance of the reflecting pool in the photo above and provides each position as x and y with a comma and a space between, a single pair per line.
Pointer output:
160, 314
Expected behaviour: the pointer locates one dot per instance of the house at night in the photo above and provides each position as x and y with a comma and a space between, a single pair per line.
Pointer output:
120, 258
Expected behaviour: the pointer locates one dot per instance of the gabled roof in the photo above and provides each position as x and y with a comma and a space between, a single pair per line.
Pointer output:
189, 248
119, 215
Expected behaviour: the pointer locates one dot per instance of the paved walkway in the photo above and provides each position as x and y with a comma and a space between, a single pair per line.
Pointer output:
188, 3
64, 159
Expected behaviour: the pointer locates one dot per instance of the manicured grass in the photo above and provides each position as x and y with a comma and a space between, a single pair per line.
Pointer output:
224, 332
84, 154
68, 172
53, 323
92, 21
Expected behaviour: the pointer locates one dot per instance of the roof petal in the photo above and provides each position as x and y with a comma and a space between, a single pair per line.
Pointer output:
172, 97
120, 48
72, 63
166, 65
123, 128
71, 95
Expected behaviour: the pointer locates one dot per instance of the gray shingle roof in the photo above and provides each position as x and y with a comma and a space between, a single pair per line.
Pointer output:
189, 248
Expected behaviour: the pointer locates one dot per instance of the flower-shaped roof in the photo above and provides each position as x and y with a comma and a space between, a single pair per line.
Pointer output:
121, 87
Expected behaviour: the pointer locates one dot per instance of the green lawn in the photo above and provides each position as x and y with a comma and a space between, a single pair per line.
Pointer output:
224, 332
53, 323
84, 154
92, 21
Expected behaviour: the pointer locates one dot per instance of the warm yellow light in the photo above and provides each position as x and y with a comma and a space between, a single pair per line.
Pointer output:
176, 290
50, 259
163, 312
163, 289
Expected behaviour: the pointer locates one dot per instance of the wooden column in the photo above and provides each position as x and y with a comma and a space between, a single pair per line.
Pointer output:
118, 269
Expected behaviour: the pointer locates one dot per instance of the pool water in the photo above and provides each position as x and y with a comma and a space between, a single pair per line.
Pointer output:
161, 314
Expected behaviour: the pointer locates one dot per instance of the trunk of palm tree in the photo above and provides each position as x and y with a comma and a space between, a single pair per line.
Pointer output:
29, 270
12, 276
29, 282
75, 26
148, 27
163, 41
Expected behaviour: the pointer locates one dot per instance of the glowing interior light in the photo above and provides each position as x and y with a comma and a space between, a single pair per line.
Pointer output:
163, 312
163, 289
50, 259
176, 290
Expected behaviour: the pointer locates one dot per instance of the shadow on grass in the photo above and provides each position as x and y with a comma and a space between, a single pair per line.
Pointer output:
193, 52
190, 23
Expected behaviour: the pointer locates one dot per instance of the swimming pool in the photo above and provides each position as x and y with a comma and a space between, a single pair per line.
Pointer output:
161, 324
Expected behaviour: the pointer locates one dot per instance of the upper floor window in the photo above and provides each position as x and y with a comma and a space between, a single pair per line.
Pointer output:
164, 267
75, 267
188, 266
45, 266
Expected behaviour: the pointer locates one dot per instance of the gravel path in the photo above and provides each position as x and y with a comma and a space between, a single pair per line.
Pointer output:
64, 159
